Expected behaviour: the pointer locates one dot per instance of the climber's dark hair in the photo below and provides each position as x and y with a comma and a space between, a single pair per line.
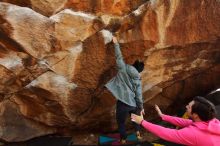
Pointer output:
139, 65
204, 108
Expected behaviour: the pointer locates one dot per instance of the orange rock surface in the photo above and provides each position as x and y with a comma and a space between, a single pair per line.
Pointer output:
56, 57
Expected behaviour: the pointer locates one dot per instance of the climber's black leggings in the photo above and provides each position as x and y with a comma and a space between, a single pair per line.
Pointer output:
122, 111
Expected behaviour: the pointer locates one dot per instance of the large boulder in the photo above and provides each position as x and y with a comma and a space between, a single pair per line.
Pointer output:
32, 31
53, 69
14, 127
98, 7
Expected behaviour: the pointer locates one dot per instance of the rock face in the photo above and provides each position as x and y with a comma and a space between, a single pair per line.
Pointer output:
56, 59
50, 7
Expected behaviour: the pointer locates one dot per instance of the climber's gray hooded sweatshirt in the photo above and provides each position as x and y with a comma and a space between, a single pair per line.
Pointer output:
126, 85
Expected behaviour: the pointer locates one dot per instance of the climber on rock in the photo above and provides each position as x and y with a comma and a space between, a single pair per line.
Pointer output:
126, 88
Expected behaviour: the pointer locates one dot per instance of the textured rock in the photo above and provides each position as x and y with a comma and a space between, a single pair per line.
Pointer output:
98, 7
48, 95
22, 3
32, 31
69, 26
53, 69
14, 127
115, 7
161, 23
44, 7
47, 7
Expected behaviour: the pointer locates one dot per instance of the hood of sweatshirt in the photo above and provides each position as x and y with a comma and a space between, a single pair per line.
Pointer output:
133, 73
212, 126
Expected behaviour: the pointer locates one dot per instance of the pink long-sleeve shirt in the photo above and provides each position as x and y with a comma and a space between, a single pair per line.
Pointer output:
192, 133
